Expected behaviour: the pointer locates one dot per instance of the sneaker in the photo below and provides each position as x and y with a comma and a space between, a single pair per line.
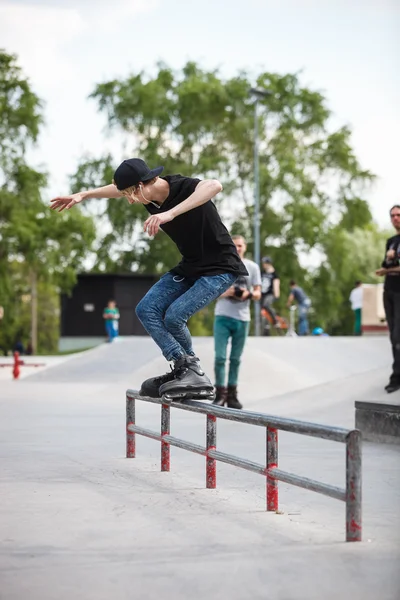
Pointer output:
151, 387
188, 377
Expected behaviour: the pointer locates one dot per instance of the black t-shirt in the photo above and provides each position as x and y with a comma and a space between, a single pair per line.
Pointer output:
267, 282
201, 237
392, 280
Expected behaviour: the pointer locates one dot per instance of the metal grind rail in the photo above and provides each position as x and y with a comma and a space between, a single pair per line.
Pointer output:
351, 494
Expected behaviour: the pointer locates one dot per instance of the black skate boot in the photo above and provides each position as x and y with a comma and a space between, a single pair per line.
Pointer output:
220, 395
232, 399
189, 381
151, 387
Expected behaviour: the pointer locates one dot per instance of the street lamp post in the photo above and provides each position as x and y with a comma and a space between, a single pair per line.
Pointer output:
257, 93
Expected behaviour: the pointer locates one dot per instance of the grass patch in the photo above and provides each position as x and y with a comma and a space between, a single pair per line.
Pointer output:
65, 352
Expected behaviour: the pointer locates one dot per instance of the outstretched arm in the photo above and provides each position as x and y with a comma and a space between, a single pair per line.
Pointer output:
62, 202
205, 190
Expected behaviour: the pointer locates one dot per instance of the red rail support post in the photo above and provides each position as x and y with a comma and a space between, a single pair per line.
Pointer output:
211, 463
130, 420
17, 364
272, 463
353, 487
165, 446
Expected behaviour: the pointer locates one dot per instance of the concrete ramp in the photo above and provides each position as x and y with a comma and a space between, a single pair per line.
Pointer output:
80, 521
272, 364
106, 363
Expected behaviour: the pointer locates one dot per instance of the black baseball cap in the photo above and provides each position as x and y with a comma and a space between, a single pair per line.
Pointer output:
266, 259
133, 170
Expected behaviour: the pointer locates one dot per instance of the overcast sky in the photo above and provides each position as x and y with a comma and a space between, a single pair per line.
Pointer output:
348, 49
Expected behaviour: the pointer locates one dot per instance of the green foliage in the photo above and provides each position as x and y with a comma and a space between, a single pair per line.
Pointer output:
202, 322
20, 112
350, 256
16, 324
198, 123
36, 245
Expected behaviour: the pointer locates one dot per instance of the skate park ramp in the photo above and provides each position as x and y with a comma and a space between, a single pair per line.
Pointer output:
79, 520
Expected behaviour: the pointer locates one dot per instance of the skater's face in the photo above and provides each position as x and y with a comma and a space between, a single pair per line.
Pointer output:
141, 193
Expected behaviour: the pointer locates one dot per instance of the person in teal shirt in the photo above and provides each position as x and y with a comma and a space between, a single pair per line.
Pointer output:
111, 318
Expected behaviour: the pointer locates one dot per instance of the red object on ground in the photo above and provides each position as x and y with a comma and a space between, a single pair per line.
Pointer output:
17, 363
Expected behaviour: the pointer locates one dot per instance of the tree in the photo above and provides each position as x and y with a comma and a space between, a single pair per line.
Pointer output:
199, 123
19, 319
351, 255
37, 247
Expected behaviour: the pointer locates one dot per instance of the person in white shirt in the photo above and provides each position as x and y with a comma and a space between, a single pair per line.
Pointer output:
231, 323
356, 301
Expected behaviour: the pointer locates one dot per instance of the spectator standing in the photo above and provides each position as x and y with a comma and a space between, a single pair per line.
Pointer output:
391, 296
111, 320
297, 294
232, 322
356, 301
270, 290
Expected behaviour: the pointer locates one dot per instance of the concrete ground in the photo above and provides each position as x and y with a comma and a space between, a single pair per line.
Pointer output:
80, 521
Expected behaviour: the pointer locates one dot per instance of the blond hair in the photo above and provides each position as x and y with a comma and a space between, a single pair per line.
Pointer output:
131, 190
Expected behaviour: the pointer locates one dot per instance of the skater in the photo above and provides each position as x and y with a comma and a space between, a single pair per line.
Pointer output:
270, 291
111, 318
232, 321
303, 301
182, 208
391, 296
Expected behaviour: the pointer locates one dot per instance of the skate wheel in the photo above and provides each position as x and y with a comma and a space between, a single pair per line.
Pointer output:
188, 395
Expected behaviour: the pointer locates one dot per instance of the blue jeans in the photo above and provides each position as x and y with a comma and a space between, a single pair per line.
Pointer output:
111, 329
225, 328
303, 319
167, 306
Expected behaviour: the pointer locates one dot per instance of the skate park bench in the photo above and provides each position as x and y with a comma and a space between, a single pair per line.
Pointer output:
379, 421
351, 494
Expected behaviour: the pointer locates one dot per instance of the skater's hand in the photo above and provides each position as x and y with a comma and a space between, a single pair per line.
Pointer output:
62, 202
152, 224
381, 271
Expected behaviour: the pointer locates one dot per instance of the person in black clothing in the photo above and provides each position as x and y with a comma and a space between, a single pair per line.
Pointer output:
182, 208
270, 290
391, 296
